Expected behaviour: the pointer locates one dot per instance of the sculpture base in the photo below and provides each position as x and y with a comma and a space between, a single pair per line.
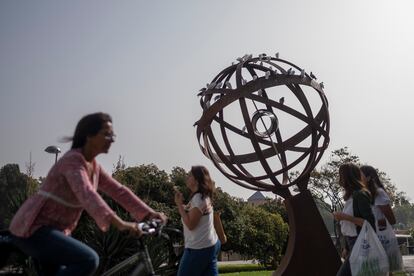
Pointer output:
310, 250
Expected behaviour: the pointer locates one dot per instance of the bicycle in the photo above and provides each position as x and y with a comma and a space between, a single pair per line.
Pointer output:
144, 266
142, 259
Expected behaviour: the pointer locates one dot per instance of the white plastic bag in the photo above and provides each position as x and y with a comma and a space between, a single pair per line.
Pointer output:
389, 242
368, 257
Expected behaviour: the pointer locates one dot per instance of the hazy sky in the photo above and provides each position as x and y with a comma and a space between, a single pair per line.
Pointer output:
144, 62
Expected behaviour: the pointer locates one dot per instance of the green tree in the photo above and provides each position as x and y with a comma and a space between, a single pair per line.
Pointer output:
233, 221
264, 235
276, 206
148, 182
15, 187
404, 215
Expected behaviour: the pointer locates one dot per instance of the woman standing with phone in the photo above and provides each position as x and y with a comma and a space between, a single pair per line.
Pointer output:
200, 239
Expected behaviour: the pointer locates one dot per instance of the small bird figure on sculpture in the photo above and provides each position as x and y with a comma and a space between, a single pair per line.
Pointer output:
202, 90
322, 85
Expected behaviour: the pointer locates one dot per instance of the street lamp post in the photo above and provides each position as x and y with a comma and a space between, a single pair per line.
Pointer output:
53, 149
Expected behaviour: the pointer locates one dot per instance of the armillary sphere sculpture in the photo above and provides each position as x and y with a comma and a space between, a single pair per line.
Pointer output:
265, 126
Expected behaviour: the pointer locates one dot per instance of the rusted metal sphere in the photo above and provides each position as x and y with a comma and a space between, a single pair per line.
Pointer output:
265, 123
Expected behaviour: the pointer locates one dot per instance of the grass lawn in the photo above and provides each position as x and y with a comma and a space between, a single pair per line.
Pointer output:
268, 273
252, 273
254, 270
243, 269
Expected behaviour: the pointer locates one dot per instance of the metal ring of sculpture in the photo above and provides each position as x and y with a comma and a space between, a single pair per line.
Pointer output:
249, 83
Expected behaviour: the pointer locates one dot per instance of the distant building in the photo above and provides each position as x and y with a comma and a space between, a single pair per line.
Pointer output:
257, 199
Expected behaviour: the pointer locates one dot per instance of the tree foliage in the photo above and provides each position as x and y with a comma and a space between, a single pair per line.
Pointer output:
15, 187
264, 235
276, 206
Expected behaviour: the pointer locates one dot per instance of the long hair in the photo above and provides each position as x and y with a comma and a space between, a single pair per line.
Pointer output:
204, 181
373, 180
89, 125
350, 179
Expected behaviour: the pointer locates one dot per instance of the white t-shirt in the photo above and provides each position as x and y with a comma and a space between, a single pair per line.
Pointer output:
203, 235
381, 198
347, 227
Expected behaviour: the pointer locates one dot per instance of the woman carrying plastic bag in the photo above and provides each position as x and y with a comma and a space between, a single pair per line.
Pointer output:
384, 217
368, 257
357, 210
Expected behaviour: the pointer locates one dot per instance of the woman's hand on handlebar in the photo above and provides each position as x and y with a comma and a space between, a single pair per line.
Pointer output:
158, 215
131, 227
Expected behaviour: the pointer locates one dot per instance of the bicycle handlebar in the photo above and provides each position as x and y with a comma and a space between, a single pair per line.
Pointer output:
151, 227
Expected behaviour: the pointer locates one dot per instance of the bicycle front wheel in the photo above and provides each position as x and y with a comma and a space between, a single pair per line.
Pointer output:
123, 266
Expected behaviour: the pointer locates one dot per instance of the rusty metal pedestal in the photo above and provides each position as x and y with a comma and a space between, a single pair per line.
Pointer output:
310, 250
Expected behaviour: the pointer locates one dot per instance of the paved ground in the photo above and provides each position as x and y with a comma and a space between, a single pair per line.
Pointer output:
408, 261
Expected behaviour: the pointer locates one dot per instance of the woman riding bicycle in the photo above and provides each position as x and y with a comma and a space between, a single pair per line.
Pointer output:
42, 226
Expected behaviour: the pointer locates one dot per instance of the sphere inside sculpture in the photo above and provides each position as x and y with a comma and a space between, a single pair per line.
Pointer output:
265, 123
